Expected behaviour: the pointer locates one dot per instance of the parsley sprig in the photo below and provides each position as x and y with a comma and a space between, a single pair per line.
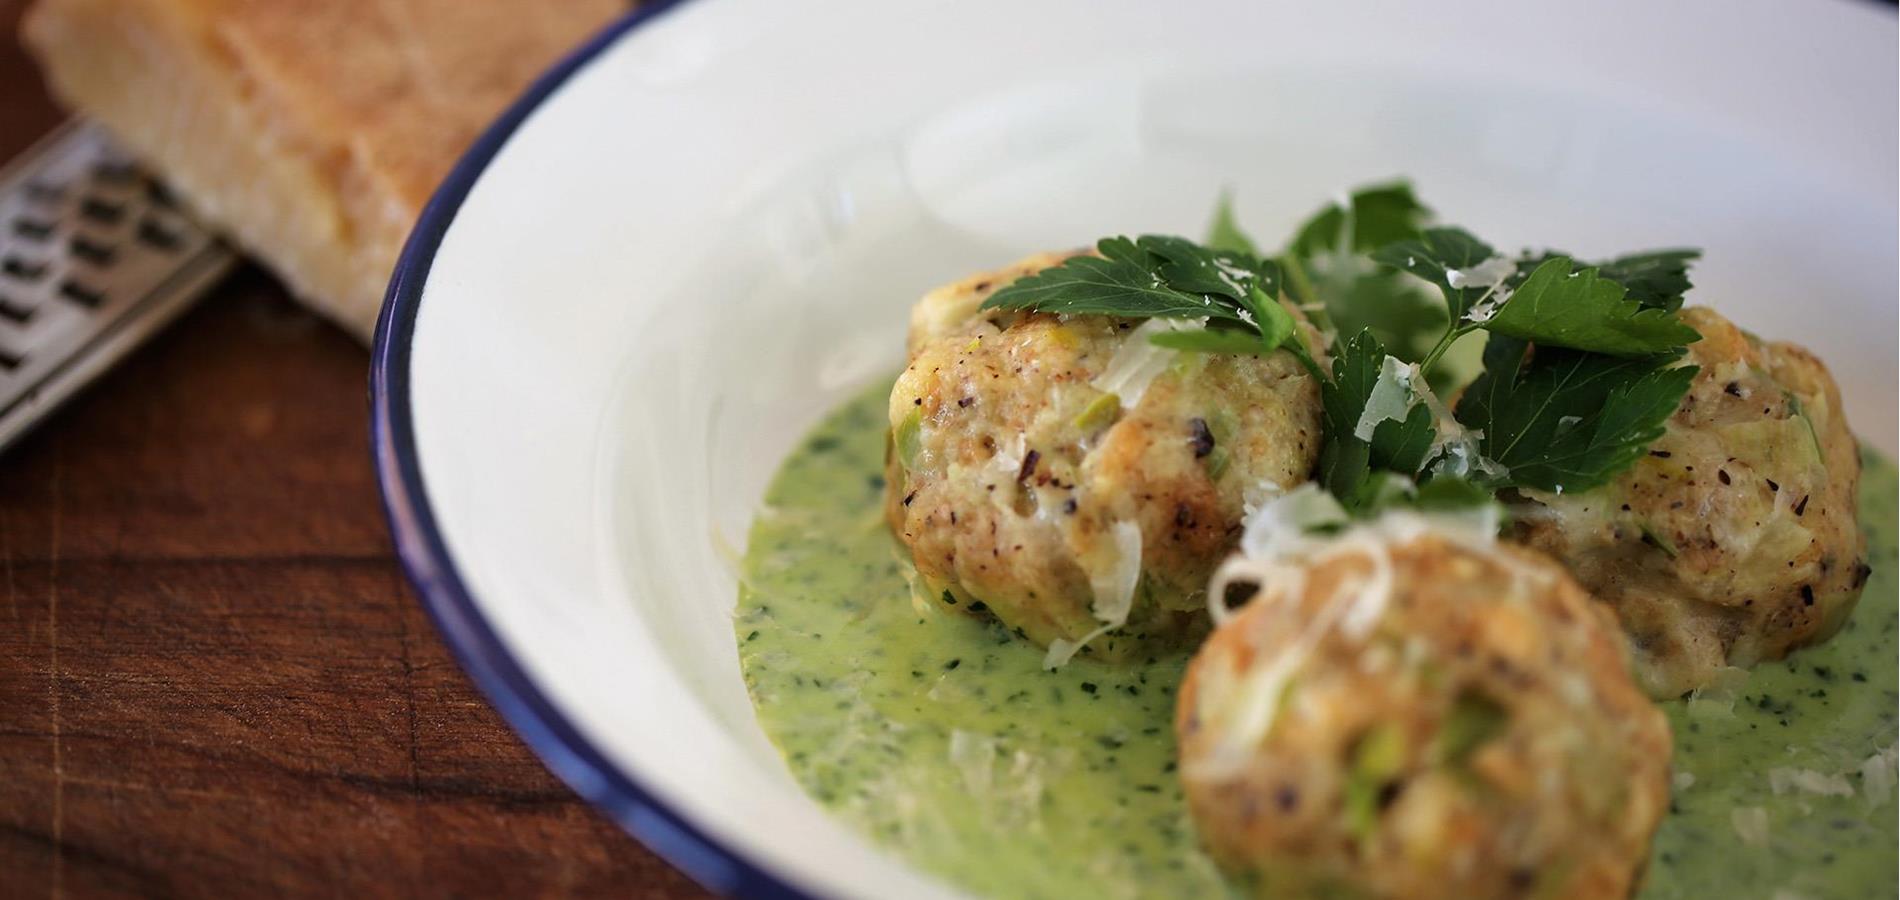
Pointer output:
1581, 367
1580, 373
1231, 291
1560, 419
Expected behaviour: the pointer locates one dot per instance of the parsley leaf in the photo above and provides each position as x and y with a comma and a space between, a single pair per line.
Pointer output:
1274, 328
1224, 232
1560, 305
1275, 324
1196, 269
1348, 462
1561, 419
1375, 215
1325, 270
1390, 490
1435, 253
1657, 279
1580, 371
1214, 340
1393, 307
1166, 277
1448, 493
1126, 280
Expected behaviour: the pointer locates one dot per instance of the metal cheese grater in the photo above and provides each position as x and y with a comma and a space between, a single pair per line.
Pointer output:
94, 258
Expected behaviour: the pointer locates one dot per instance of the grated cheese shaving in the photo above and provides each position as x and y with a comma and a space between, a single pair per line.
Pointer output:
1138, 361
1234, 277
1488, 274
1009, 460
973, 755
1487, 306
1877, 776
1277, 550
1114, 587
1808, 781
1750, 824
1391, 398
1282, 522
1257, 699
1716, 700
1455, 451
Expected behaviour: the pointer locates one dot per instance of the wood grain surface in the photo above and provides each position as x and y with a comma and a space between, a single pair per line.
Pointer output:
214, 680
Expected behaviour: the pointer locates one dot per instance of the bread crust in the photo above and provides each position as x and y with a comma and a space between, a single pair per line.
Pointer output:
311, 132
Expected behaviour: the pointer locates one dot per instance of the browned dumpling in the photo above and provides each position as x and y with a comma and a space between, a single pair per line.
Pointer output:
1736, 539
1071, 478
1403, 714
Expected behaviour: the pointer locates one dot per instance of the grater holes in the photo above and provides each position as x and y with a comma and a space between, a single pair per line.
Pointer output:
159, 195
97, 253
101, 210
14, 312
32, 229
154, 234
81, 294
115, 173
78, 287
23, 269
41, 192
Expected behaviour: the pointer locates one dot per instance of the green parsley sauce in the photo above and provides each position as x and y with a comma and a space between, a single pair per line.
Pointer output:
943, 738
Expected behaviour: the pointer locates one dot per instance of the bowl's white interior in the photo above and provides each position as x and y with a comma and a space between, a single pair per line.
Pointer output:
712, 235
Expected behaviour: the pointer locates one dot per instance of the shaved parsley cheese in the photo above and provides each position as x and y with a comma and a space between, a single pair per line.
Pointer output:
1114, 586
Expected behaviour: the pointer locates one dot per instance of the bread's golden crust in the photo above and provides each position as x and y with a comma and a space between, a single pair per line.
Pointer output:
313, 131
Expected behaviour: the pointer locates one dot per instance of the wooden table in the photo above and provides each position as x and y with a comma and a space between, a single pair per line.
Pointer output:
214, 680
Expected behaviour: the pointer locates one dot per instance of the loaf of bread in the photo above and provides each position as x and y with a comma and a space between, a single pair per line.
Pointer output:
311, 132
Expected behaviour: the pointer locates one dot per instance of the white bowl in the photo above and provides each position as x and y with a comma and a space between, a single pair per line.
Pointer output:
704, 229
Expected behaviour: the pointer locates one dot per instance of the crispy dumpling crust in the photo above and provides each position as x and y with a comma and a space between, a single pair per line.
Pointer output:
1482, 738
1737, 538
1022, 470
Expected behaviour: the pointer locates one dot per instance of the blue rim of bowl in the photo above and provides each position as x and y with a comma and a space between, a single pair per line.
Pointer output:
425, 557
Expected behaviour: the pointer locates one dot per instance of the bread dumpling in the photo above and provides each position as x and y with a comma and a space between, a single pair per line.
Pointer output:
1736, 539
1070, 478
1403, 712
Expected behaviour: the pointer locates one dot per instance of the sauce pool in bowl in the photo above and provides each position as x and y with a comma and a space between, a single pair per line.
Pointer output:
943, 738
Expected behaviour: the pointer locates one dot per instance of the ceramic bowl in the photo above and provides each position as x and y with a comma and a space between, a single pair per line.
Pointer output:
704, 229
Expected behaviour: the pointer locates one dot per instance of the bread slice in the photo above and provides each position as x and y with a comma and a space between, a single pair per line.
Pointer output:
311, 132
